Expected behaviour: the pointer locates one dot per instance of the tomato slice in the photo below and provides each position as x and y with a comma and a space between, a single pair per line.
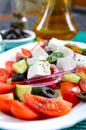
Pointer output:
50, 107
83, 84
26, 52
69, 92
22, 111
9, 67
5, 103
81, 71
18, 54
6, 88
4, 75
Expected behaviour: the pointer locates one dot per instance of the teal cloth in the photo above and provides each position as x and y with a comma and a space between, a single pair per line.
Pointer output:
80, 37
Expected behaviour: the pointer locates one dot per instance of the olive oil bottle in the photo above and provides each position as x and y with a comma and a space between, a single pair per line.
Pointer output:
56, 20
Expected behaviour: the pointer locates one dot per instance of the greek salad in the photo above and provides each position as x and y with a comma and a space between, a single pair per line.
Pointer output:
43, 82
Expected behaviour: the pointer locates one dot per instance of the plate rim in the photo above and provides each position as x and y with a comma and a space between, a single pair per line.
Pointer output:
34, 124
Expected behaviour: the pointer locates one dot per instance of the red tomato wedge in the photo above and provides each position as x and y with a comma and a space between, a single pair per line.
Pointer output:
18, 54
5, 103
22, 111
69, 92
26, 52
50, 107
4, 75
83, 84
9, 67
81, 71
6, 88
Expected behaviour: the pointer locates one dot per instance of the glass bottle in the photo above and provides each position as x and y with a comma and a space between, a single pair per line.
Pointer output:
56, 20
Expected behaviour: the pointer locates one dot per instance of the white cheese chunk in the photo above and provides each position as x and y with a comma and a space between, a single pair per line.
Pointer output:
66, 51
80, 60
38, 51
66, 63
55, 43
32, 60
39, 68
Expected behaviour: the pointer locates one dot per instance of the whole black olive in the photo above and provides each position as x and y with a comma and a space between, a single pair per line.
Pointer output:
18, 77
11, 36
25, 35
17, 32
82, 96
48, 92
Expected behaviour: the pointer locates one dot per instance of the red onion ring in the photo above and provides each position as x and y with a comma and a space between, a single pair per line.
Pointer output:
53, 76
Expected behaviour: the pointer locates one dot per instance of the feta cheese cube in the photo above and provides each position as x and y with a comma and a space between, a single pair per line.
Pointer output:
66, 63
32, 60
38, 51
80, 60
39, 68
55, 43
66, 51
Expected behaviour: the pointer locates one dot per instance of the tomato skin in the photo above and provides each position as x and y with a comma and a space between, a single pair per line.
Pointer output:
81, 71
26, 52
48, 106
18, 54
5, 103
69, 92
83, 84
9, 67
4, 75
22, 111
6, 88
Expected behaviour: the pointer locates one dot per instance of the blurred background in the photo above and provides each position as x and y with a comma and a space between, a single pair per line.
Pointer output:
33, 8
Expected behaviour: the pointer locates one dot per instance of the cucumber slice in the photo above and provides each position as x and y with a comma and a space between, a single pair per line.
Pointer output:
72, 77
20, 90
36, 90
20, 66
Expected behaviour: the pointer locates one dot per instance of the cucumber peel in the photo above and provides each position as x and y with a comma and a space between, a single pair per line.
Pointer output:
20, 90
20, 66
71, 77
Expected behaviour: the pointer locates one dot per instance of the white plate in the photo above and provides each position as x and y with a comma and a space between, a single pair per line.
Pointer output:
77, 114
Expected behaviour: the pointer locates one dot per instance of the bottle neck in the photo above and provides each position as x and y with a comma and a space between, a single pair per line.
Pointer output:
59, 5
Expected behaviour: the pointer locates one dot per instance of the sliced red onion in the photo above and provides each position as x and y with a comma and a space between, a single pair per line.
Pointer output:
54, 68
53, 76
47, 83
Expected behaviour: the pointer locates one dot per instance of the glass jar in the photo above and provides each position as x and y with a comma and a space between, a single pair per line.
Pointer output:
56, 20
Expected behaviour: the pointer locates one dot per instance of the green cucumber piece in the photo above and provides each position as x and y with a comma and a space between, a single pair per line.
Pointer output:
71, 77
20, 66
36, 90
20, 90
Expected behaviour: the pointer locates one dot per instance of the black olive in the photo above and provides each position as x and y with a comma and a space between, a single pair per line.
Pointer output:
17, 32
18, 77
25, 35
48, 92
11, 36
82, 96
84, 53
49, 52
